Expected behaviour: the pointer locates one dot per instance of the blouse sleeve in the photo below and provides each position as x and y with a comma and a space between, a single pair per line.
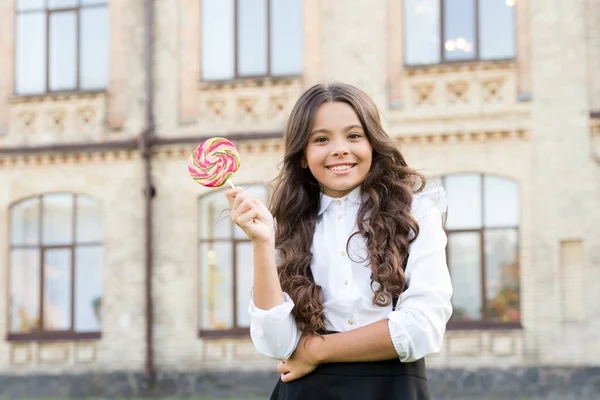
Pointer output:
274, 331
418, 324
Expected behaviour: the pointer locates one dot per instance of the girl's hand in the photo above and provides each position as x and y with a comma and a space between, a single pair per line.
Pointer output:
302, 362
251, 215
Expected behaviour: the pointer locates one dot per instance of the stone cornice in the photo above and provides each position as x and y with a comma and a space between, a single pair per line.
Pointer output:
462, 137
460, 67
56, 97
182, 151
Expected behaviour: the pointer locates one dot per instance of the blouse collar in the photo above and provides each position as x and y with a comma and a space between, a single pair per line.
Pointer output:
353, 197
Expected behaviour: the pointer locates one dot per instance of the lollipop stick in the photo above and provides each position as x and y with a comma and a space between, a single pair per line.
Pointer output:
230, 181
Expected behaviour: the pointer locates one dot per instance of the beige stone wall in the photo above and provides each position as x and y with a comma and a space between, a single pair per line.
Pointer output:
564, 173
117, 184
6, 68
592, 39
446, 119
74, 117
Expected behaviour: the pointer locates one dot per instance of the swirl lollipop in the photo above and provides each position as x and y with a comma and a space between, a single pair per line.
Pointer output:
213, 162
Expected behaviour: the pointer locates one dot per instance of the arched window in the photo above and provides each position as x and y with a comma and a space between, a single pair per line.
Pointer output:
55, 273
226, 266
483, 248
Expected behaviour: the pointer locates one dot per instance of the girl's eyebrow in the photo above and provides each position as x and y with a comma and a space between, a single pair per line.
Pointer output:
346, 129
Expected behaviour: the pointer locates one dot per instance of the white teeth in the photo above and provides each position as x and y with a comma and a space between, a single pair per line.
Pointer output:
340, 167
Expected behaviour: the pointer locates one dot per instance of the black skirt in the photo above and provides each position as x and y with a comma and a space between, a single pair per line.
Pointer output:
389, 380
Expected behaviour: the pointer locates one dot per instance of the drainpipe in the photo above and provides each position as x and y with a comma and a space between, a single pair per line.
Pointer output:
595, 155
145, 142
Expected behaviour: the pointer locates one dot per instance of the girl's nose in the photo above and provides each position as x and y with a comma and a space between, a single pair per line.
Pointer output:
340, 148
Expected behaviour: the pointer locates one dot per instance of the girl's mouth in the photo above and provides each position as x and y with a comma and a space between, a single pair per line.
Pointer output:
341, 168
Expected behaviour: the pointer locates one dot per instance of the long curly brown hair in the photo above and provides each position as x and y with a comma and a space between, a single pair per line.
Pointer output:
384, 217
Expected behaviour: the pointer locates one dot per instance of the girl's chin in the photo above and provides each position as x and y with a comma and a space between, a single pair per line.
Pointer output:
337, 191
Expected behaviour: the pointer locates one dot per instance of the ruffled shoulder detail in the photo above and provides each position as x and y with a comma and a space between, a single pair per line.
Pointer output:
433, 196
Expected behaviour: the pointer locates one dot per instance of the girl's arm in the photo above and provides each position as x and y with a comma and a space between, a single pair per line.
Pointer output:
368, 343
417, 327
272, 324
267, 291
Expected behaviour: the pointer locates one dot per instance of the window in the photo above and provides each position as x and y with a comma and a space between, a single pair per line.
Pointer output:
55, 273
458, 30
226, 266
483, 248
61, 45
251, 38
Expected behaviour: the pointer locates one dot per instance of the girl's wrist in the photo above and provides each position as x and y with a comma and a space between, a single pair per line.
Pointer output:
316, 348
263, 244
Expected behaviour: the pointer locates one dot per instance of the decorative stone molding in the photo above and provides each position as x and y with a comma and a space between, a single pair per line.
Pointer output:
251, 147
53, 353
25, 121
462, 137
21, 354
465, 90
492, 90
56, 118
238, 84
460, 67
28, 354
246, 105
56, 97
423, 95
55, 159
457, 92
462, 346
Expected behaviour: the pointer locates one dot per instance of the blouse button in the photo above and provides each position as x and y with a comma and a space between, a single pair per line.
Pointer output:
343, 253
346, 282
350, 322
339, 202
340, 216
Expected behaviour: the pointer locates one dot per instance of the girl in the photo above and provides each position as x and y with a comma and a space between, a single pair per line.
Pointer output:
351, 287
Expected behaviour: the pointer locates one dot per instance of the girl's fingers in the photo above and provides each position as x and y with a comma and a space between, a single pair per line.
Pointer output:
262, 205
231, 194
281, 367
239, 199
287, 377
241, 208
248, 217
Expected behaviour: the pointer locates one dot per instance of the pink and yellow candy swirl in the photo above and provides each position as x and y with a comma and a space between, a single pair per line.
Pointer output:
213, 162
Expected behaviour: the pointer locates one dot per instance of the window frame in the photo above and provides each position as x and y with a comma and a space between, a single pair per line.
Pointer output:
477, 58
48, 12
40, 334
235, 330
484, 322
236, 75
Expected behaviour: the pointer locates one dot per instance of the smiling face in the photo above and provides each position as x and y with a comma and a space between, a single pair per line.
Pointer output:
338, 152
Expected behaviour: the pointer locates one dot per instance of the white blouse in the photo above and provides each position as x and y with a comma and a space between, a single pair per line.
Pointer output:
417, 325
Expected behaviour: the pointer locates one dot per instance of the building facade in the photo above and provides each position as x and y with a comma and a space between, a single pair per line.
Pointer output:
123, 276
